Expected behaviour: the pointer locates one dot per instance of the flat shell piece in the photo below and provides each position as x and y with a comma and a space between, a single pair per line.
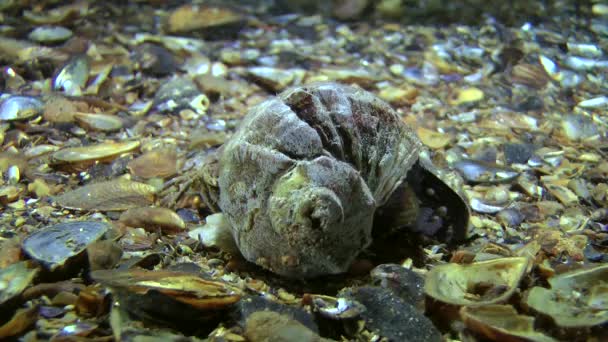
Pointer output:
118, 194
432, 139
14, 279
576, 299
189, 18
501, 323
480, 283
99, 122
157, 163
20, 108
99, 152
336, 308
54, 245
151, 218
183, 287
77, 159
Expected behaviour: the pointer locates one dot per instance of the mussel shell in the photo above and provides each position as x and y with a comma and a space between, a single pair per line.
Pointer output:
20, 108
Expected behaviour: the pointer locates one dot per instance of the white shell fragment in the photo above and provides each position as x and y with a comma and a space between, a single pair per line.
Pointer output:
596, 102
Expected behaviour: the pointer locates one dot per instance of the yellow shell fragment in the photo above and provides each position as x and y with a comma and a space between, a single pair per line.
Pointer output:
190, 17
432, 139
114, 195
467, 95
479, 283
576, 299
501, 323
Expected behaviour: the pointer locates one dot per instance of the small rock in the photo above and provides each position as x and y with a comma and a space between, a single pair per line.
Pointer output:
404, 282
266, 326
155, 60
517, 153
391, 317
177, 94
349, 9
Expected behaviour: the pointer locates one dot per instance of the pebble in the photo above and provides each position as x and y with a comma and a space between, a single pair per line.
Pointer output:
392, 317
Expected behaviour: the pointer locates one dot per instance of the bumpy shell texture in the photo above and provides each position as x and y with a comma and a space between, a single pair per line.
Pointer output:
303, 175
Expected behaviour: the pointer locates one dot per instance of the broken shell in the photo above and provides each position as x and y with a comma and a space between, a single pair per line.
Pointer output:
54, 245
480, 283
72, 78
180, 93
80, 158
432, 139
336, 308
198, 17
530, 75
14, 279
501, 323
119, 194
272, 78
20, 323
483, 172
579, 127
576, 299
301, 178
20, 108
177, 297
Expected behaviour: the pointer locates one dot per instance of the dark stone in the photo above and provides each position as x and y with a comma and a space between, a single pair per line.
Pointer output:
392, 317
517, 153
405, 283
155, 60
